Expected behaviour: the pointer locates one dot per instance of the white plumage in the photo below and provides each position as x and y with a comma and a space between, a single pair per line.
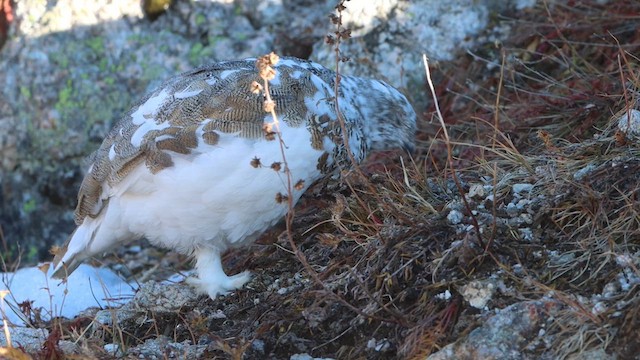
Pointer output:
191, 168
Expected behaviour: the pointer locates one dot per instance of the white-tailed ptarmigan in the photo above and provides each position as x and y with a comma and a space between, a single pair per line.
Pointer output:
191, 168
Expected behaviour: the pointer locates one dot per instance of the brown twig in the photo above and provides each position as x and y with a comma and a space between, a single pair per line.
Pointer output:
268, 73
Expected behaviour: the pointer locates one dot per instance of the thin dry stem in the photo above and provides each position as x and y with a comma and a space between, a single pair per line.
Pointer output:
290, 214
450, 156
7, 333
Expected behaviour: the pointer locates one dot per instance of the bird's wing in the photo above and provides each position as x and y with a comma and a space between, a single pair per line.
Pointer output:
188, 112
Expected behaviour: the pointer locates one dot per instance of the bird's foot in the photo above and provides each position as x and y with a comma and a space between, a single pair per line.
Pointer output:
219, 285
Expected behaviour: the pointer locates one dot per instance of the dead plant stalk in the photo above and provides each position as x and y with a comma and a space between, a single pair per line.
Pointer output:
270, 107
450, 154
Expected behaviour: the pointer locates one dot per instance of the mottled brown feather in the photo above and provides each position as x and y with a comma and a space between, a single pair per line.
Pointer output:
199, 99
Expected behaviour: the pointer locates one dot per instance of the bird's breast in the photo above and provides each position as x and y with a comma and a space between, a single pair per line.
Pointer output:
225, 195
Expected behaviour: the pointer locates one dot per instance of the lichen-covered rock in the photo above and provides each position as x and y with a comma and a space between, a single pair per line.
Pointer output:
629, 124
29, 339
504, 335
296, 25
161, 300
163, 348
390, 36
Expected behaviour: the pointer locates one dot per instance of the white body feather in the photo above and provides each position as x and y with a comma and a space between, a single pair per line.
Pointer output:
216, 195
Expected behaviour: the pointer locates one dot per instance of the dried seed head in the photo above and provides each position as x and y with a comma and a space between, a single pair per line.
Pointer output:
280, 198
256, 88
545, 137
44, 267
255, 162
267, 73
269, 134
276, 166
330, 40
344, 34
620, 138
54, 250
264, 64
261, 63
273, 58
299, 185
269, 105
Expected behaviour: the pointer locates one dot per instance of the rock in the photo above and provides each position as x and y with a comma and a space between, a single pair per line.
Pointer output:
113, 349
306, 356
522, 190
163, 348
455, 217
390, 36
28, 338
596, 354
504, 335
161, 300
296, 25
629, 123
478, 293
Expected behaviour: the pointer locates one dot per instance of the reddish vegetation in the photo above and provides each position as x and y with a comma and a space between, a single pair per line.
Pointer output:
6, 18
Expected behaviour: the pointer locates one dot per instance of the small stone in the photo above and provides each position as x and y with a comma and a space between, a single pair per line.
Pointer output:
455, 217
113, 349
584, 172
478, 293
629, 123
477, 191
258, 345
519, 188
446, 295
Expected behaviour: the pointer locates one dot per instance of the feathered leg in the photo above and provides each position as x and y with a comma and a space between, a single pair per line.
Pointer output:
209, 267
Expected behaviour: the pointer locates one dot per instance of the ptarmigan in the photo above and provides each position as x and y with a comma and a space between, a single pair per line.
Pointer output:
191, 168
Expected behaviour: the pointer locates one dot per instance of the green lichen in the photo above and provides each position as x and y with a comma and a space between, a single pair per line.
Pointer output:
60, 58
200, 19
25, 92
33, 253
138, 39
214, 39
65, 99
152, 72
198, 52
195, 52
29, 206
96, 44
102, 64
